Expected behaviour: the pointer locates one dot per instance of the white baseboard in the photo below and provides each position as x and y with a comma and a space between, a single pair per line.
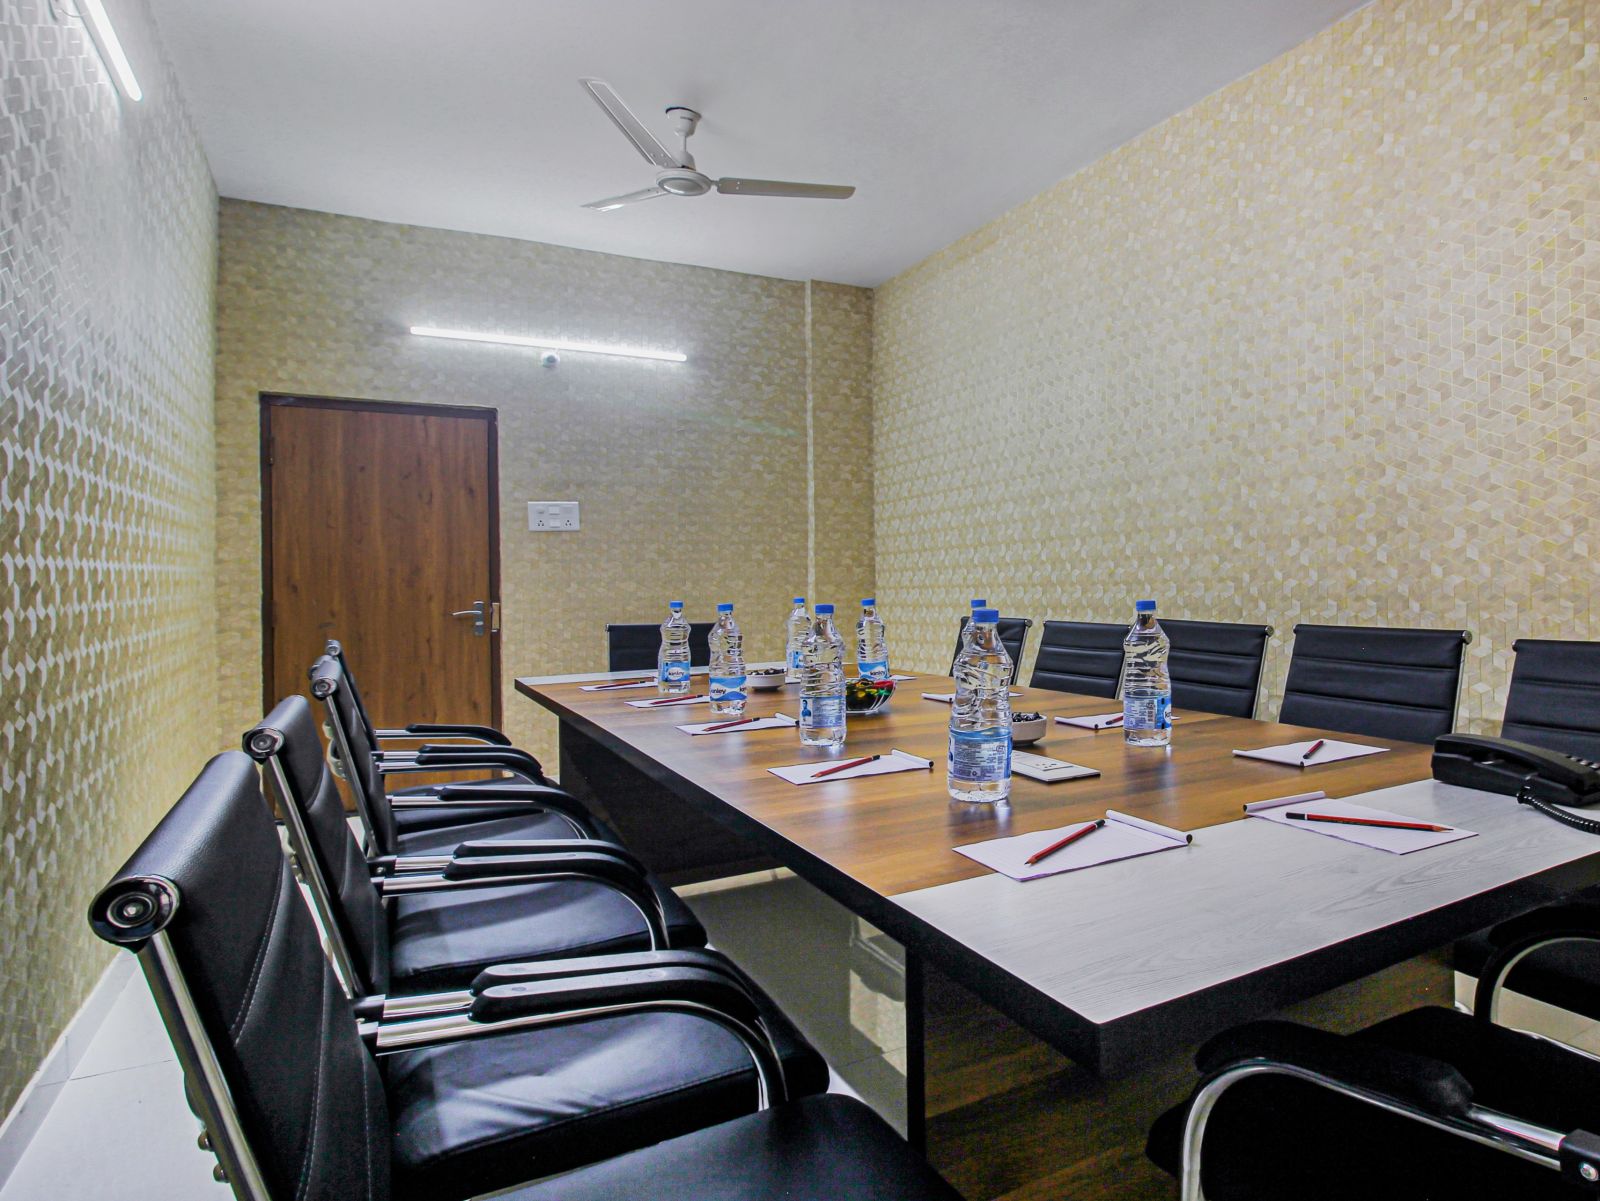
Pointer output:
28, 1114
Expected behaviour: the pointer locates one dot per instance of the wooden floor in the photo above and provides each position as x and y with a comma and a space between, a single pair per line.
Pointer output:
1010, 1118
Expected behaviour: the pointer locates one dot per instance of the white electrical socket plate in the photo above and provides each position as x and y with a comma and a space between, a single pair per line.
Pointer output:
552, 516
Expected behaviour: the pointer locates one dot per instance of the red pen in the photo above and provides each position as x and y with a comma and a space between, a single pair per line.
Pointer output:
678, 700
623, 684
845, 766
728, 725
1367, 821
1065, 842
1112, 721
1312, 750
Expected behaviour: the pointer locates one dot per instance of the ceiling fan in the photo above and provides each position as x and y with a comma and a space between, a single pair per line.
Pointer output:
677, 175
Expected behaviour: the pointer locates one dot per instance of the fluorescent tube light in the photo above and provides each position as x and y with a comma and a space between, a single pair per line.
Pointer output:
111, 48
627, 352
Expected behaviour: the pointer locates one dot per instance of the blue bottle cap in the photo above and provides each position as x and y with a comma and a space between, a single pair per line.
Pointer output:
799, 600
988, 615
824, 610
674, 604
725, 608
1144, 606
868, 600
979, 604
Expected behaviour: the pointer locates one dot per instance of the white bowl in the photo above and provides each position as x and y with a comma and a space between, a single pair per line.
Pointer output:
763, 683
1026, 733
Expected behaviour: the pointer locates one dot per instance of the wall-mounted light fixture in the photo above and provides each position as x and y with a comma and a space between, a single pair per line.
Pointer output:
110, 47
626, 352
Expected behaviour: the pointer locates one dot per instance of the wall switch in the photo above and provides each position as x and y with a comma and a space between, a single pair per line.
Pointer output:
552, 516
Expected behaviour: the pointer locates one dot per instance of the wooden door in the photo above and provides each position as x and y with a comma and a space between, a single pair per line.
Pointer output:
379, 523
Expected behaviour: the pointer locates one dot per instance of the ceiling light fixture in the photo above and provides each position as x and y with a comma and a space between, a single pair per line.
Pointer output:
626, 352
110, 48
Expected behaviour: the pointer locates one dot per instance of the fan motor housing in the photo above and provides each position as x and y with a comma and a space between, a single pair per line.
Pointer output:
683, 182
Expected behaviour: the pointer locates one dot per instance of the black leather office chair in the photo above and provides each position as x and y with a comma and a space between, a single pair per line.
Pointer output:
1553, 701
1013, 633
537, 1068
1376, 681
1216, 665
633, 646
420, 923
1427, 1104
1080, 656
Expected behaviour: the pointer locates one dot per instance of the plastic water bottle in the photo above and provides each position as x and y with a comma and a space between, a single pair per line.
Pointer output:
822, 683
872, 643
727, 665
980, 716
672, 663
1146, 683
795, 630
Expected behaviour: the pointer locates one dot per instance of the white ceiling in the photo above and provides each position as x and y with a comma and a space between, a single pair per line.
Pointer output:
467, 114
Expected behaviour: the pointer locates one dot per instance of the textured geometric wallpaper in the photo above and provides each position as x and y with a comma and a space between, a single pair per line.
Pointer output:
107, 577
693, 477
1324, 347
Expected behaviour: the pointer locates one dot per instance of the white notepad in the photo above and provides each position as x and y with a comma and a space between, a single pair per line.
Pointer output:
946, 698
777, 721
896, 679
1101, 721
668, 703
806, 773
1292, 754
1396, 842
1122, 837
618, 686
1048, 770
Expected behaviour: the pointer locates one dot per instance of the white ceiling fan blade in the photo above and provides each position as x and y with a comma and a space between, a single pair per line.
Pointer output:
616, 202
779, 187
632, 128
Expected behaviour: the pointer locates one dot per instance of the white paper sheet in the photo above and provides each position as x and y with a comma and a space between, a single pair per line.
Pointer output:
1292, 754
1122, 837
1093, 721
777, 721
666, 703
805, 773
946, 698
1379, 838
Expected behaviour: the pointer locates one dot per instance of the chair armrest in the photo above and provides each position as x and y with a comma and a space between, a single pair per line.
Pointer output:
1429, 1085
1521, 936
488, 848
492, 795
698, 991
485, 756
420, 729
594, 863
538, 970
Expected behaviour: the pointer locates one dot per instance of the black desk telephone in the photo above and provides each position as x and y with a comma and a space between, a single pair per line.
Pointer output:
1540, 778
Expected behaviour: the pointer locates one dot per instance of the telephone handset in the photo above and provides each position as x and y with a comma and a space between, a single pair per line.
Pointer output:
1540, 778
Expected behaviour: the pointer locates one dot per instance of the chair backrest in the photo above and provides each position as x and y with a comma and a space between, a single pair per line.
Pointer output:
1013, 633
1554, 699
354, 748
1216, 665
338, 877
1377, 681
336, 649
633, 646
289, 1095
1080, 656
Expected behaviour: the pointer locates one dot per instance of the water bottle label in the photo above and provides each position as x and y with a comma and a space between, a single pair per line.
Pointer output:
980, 756
872, 669
823, 712
1147, 713
794, 661
727, 688
673, 673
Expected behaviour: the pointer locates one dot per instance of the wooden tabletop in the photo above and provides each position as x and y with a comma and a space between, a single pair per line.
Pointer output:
1125, 961
894, 833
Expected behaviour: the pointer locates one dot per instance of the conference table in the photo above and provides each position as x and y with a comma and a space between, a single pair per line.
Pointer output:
1115, 965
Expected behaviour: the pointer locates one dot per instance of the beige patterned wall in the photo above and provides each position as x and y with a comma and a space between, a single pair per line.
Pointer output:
1325, 347
107, 586
839, 379
314, 304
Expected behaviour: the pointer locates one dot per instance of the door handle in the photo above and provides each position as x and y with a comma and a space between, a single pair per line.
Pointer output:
480, 625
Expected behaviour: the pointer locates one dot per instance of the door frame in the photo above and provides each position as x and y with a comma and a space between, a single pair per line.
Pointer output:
285, 400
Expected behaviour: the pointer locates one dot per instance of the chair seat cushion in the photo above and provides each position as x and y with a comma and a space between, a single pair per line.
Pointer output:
1566, 975
479, 1115
441, 940
830, 1148
442, 839
1272, 1137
